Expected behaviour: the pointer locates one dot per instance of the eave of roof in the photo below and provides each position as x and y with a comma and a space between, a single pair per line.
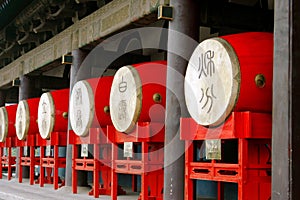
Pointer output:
9, 9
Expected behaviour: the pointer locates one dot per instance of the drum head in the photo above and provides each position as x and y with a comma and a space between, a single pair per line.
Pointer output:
81, 108
46, 115
212, 82
125, 99
3, 124
22, 120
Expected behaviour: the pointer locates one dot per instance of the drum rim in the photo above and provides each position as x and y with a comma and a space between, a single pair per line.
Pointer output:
22, 136
235, 88
52, 115
138, 105
85, 132
5, 116
236, 80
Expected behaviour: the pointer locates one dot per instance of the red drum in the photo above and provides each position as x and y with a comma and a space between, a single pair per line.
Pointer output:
138, 93
230, 73
53, 112
26, 118
89, 104
7, 122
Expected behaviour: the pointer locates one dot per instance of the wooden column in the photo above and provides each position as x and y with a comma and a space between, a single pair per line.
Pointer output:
286, 94
2, 97
77, 73
186, 22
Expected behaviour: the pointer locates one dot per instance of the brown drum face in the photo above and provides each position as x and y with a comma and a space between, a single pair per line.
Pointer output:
3, 124
81, 108
22, 120
125, 99
46, 115
212, 82
233, 73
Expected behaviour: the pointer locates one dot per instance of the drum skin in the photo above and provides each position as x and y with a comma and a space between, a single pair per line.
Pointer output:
102, 102
61, 103
255, 53
53, 112
153, 76
8, 116
26, 118
94, 94
230, 73
138, 94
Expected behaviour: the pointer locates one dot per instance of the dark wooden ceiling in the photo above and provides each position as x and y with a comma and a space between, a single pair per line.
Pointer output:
28, 23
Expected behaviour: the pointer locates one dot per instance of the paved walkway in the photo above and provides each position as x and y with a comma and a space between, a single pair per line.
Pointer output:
13, 190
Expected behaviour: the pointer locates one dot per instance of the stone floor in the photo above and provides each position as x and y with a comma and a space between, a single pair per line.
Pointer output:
13, 190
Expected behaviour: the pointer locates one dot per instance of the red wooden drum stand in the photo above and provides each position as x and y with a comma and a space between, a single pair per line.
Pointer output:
230, 73
89, 115
2, 161
27, 131
2, 164
53, 126
150, 166
251, 166
51, 162
137, 105
7, 161
7, 138
99, 163
28, 160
